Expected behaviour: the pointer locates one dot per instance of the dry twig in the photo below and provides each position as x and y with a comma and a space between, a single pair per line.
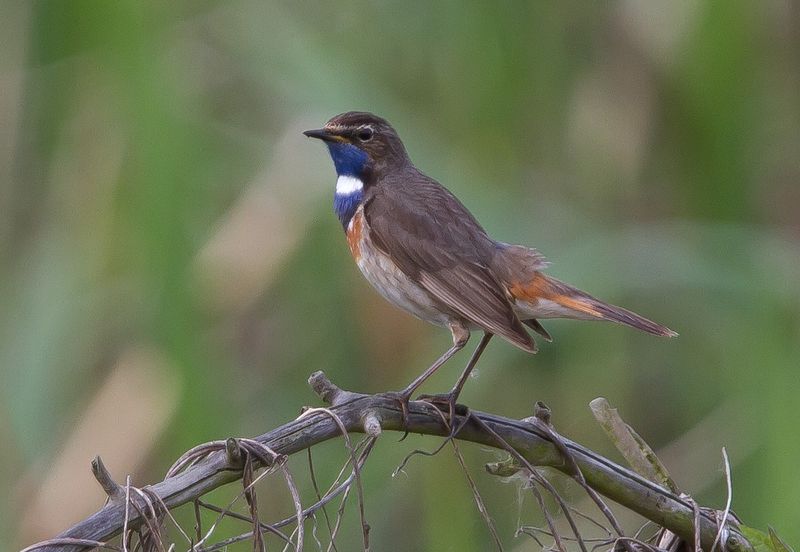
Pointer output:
203, 469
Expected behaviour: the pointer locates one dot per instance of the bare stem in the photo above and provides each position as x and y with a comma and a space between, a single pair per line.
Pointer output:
351, 410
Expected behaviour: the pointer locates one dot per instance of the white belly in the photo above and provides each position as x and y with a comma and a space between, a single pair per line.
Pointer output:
394, 285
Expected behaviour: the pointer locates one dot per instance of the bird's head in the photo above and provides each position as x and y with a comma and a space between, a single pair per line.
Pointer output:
361, 144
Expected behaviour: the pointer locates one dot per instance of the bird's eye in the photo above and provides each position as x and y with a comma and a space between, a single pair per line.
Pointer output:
365, 134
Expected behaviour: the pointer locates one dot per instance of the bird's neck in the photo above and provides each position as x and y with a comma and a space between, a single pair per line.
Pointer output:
348, 159
348, 196
351, 168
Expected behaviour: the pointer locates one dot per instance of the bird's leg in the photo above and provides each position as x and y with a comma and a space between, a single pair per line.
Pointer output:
460, 338
450, 398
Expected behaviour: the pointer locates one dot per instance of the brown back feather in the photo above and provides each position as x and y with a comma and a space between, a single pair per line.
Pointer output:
436, 241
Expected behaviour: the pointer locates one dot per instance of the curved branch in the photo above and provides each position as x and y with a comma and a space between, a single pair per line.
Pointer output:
372, 413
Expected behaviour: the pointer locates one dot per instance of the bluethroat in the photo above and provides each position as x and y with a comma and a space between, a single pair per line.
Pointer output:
424, 252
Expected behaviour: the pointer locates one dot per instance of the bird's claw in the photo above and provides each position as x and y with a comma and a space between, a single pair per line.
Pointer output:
446, 402
402, 398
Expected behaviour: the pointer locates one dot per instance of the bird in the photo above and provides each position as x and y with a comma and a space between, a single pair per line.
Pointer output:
424, 252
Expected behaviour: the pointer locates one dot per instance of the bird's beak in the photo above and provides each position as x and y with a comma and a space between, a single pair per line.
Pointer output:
323, 134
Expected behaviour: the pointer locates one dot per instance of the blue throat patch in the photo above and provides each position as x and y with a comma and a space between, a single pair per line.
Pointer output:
349, 160
346, 206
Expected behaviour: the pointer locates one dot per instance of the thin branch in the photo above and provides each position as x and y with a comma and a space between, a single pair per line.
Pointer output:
542, 420
727, 511
536, 477
319, 495
205, 472
68, 541
356, 471
487, 519
266, 527
635, 450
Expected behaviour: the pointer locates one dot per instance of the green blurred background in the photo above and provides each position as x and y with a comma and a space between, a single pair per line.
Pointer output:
171, 271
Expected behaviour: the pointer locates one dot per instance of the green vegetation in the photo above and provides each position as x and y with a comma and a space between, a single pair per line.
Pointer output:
171, 271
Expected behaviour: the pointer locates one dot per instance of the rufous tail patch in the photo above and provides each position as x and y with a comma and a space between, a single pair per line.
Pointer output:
575, 304
542, 287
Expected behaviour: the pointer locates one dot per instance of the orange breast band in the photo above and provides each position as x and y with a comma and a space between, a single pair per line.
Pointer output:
354, 229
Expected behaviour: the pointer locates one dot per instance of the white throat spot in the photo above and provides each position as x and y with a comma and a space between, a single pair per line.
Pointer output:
346, 185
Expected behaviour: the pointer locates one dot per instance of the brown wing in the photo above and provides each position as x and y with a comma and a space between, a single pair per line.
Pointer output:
436, 242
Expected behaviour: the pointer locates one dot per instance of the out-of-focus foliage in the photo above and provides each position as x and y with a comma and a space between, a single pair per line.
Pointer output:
171, 271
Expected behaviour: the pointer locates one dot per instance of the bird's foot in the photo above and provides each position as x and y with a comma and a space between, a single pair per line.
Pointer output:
402, 398
446, 402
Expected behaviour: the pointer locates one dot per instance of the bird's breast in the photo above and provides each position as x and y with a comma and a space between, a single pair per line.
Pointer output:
354, 232
348, 197
384, 275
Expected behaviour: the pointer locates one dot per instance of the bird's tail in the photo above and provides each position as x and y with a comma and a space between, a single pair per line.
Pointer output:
574, 303
625, 317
